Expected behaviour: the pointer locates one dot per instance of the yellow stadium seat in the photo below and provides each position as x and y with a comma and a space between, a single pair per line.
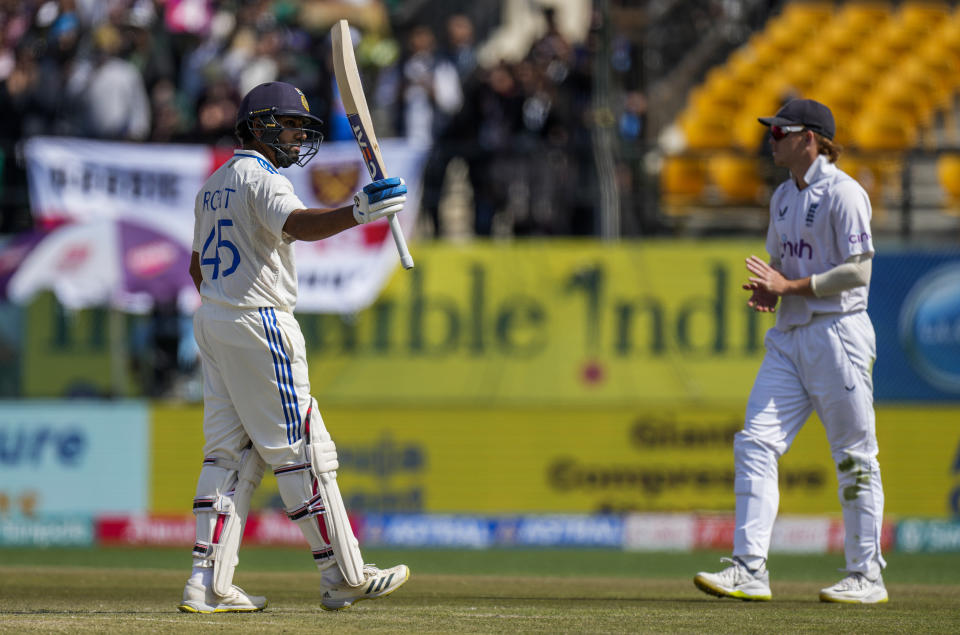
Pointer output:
948, 35
879, 54
706, 130
858, 18
917, 73
897, 95
719, 89
941, 59
948, 174
820, 56
785, 36
880, 130
841, 40
802, 73
921, 16
742, 64
748, 133
736, 177
814, 14
682, 182
766, 56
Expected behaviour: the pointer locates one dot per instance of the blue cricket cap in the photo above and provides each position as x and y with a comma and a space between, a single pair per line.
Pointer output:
808, 113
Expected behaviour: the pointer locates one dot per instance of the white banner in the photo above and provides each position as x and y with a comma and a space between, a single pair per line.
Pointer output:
83, 180
345, 273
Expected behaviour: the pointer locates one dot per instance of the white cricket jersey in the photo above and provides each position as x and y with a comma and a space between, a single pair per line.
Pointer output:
814, 230
238, 231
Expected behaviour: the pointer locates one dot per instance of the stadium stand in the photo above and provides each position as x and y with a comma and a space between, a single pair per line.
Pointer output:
890, 72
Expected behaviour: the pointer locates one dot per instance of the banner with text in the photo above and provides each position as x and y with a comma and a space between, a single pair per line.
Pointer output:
564, 322
73, 458
576, 460
80, 180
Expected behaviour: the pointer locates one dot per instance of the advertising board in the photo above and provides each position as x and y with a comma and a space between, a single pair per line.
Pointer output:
61, 458
577, 460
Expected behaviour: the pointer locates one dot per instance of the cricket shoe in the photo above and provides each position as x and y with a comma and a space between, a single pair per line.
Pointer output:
377, 583
736, 581
856, 588
198, 598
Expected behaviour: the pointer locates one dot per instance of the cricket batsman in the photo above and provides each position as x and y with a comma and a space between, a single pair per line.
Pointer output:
258, 411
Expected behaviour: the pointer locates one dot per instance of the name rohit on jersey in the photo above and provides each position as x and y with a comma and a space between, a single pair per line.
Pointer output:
212, 201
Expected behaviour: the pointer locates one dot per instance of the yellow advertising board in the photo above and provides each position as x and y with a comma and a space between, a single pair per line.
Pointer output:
67, 353
551, 323
559, 322
494, 460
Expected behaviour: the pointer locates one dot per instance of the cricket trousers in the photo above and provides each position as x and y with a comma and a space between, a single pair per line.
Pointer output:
824, 366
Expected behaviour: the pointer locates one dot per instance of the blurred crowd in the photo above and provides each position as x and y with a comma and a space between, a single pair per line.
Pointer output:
175, 70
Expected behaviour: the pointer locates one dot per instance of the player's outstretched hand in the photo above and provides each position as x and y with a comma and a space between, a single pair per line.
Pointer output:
766, 284
380, 198
766, 277
761, 300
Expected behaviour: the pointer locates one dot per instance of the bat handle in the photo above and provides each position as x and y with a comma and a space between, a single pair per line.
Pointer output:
405, 258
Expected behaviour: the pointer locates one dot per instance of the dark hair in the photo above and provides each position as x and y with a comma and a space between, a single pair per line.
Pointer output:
828, 147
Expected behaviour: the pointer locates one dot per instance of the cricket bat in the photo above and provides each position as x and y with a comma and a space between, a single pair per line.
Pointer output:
355, 104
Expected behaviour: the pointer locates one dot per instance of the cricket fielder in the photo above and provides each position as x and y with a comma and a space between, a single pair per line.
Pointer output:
819, 358
258, 411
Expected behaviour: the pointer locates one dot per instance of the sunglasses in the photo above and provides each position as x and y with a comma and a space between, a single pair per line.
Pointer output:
780, 132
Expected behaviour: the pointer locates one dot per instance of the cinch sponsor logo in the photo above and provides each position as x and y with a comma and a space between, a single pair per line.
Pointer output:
795, 249
930, 328
853, 239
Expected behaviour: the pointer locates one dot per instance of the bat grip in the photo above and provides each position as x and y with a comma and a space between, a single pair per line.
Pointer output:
405, 258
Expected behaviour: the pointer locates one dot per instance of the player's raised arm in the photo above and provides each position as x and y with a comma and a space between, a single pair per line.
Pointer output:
379, 199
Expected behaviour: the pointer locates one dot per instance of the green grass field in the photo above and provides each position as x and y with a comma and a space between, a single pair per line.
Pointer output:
499, 591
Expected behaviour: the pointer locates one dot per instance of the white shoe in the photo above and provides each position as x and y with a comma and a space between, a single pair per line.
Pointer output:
736, 581
198, 598
856, 588
377, 583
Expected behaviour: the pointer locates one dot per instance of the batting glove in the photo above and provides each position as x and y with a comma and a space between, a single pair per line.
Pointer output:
380, 198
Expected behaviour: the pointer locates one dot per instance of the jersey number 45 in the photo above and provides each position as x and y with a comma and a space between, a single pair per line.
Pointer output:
221, 244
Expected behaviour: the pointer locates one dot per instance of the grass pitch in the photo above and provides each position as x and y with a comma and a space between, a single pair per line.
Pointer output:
499, 591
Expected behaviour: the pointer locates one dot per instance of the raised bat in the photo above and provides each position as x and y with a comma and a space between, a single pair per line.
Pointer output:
355, 104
